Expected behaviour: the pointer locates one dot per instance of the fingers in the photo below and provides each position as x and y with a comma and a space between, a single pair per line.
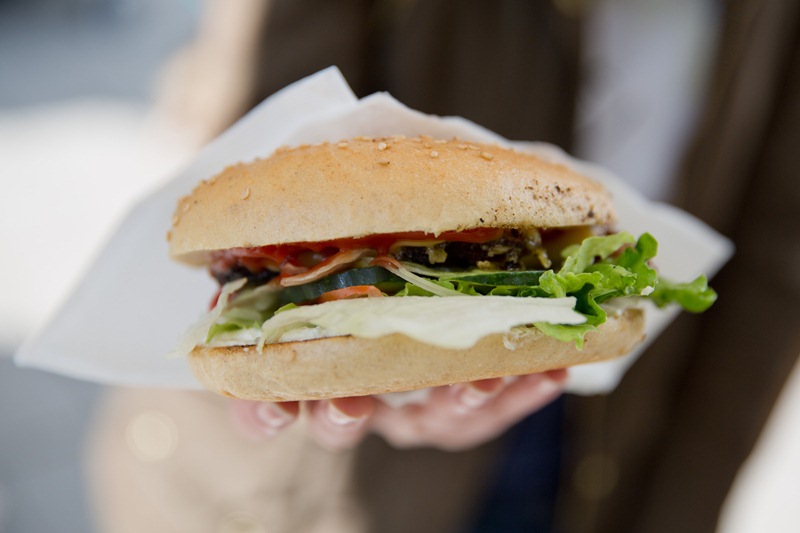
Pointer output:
499, 396
527, 395
557, 376
260, 420
336, 424
454, 418
341, 423
476, 394
468, 414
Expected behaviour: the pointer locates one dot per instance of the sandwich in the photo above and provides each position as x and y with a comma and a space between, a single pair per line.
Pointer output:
376, 265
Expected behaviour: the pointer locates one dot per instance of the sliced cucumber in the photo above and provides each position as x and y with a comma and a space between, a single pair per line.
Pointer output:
377, 276
388, 282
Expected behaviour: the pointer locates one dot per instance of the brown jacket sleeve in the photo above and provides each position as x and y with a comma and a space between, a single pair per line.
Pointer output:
672, 437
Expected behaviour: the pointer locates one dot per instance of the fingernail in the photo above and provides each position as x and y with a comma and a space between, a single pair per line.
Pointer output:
542, 384
474, 398
340, 418
273, 415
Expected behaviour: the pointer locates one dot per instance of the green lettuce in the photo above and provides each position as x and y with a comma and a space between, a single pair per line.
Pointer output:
695, 296
597, 270
593, 272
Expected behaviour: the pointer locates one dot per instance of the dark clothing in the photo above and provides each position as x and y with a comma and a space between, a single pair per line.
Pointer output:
521, 496
659, 453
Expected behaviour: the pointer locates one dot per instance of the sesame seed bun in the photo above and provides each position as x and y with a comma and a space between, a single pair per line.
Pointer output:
348, 366
362, 187
365, 186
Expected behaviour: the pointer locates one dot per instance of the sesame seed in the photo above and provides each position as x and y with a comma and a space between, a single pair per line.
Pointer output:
462, 146
382, 146
383, 162
427, 145
472, 147
186, 207
343, 144
434, 154
487, 156
364, 138
246, 193
440, 141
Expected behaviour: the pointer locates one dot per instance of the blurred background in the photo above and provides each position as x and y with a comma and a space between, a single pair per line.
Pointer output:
80, 142
77, 147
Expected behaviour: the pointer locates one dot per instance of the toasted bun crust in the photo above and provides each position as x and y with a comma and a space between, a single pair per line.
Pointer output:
349, 366
370, 186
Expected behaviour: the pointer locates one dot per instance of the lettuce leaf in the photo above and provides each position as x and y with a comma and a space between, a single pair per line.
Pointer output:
694, 297
597, 270
446, 321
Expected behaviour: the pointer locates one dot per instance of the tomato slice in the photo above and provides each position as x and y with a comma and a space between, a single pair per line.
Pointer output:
382, 243
278, 255
356, 291
213, 303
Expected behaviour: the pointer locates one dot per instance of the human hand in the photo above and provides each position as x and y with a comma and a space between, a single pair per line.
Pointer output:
454, 417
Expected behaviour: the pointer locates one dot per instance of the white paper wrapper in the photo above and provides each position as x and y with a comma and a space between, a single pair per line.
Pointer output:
134, 303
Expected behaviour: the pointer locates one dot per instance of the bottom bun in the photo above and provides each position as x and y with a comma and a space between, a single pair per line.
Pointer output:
349, 366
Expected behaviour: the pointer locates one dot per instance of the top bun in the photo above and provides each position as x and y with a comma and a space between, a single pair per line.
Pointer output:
368, 186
